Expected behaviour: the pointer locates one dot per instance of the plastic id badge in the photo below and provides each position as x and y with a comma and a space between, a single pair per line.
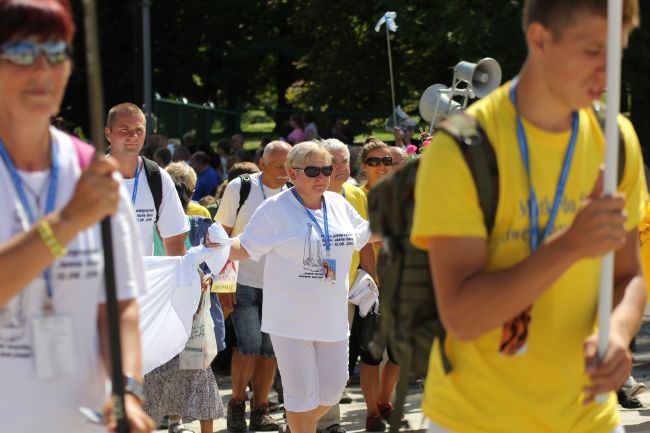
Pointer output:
53, 347
329, 271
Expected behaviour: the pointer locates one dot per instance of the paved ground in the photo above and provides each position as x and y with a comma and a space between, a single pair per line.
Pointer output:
353, 414
635, 421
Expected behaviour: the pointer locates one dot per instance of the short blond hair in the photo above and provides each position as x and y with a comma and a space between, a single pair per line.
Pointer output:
124, 108
303, 152
183, 173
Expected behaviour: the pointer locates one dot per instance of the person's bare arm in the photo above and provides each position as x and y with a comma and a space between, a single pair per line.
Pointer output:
175, 245
138, 420
367, 260
629, 302
473, 301
227, 300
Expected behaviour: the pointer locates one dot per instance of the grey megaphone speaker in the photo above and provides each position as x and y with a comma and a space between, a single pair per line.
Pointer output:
482, 77
435, 104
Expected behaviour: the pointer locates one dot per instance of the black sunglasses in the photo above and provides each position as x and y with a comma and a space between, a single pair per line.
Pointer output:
386, 161
315, 171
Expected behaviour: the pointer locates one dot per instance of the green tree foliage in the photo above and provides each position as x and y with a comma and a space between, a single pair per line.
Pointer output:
314, 55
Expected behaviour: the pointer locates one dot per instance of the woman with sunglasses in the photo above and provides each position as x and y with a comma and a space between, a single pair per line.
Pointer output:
52, 303
308, 235
376, 162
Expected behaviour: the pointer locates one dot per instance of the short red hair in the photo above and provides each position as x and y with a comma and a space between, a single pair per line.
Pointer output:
43, 19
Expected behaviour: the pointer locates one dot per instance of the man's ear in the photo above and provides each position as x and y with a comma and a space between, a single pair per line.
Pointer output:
538, 37
107, 134
262, 164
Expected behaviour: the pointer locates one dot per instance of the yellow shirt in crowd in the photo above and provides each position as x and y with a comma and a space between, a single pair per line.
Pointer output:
541, 390
355, 196
194, 208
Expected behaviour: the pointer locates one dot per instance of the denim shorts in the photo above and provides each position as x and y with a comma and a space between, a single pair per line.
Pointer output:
247, 321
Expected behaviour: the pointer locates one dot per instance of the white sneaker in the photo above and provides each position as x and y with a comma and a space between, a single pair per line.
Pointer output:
632, 388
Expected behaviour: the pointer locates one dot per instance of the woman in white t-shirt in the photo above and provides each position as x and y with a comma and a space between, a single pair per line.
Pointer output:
307, 235
52, 303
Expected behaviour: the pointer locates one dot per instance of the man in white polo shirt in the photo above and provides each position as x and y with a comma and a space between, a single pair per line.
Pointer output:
253, 359
152, 190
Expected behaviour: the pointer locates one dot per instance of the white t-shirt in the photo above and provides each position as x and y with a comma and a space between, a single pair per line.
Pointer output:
78, 289
298, 302
171, 221
250, 271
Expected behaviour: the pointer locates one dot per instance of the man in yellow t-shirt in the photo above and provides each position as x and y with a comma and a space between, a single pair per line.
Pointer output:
520, 309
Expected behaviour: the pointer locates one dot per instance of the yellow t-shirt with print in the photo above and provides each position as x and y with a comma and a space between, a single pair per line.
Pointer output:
355, 196
541, 390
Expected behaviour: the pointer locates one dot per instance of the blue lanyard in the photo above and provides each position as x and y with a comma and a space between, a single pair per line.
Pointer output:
326, 235
135, 183
532, 200
262, 185
20, 190
343, 192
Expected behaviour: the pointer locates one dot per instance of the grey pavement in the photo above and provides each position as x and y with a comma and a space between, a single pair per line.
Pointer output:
353, 415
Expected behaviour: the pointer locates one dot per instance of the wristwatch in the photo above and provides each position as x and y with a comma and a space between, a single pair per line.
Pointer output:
132, 386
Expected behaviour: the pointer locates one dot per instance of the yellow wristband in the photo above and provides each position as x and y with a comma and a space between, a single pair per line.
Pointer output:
49, 239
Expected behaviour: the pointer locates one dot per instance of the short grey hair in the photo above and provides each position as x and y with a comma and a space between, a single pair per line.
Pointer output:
274, 146
334, 144
303, 152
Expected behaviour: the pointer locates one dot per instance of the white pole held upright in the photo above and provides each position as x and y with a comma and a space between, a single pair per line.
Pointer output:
614, 44
389, 19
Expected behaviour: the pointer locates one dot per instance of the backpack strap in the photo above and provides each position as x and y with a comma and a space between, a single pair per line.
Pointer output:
600, 112
154, 179
244, 191
85, 151
481, 160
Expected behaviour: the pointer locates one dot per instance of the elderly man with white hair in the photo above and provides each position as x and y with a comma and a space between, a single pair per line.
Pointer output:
307, 235
253, 358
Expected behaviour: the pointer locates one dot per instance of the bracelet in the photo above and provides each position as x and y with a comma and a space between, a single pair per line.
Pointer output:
50, 240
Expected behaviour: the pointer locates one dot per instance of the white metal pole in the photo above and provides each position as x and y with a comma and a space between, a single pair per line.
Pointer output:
390, 68
614, 44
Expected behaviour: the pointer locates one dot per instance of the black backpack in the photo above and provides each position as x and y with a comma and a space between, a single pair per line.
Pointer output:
409, 316
154, 179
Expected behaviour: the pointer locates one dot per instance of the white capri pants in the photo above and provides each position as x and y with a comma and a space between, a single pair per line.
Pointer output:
314, 373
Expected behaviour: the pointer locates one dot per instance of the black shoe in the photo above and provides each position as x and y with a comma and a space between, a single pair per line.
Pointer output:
345, 398
236, 417
375, 423
335, 428
261, 419
628, 402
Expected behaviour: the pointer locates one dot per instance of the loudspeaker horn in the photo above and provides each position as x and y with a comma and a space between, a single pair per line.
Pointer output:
482, 77
435, 104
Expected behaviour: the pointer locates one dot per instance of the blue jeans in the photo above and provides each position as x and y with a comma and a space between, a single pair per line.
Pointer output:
247, 321
219, 323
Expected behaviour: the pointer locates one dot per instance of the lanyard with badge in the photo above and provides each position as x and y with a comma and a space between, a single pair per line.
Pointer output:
515, 332
52, 333
134, 194
329, 264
